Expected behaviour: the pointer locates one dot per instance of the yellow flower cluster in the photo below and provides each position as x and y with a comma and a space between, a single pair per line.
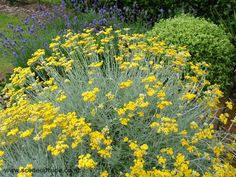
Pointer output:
167, 125
126, 84
104, 174
25, 171
188, 96
98, 140
110, 96
138, 151
85, 161
61, 97
36, 56
1, 160
90, 96
20, 76
131, 109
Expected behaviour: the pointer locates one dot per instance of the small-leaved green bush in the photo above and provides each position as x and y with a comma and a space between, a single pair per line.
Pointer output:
205, 41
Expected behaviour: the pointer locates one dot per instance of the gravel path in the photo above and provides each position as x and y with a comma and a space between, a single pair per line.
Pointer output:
19, 11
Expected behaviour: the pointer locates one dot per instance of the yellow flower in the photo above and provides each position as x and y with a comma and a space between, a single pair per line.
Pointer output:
90, 82
188, 96
85, 161
164, 104
61, 97
25, 171
125, 84
193, 125
107, 30
124, 121
90, 96
183, 133
110, 96
126, 139
144, 147
224, 118
121, 112
149, 79
58, 149
36, 56
138, 58
53, 87
26, 133
180, 158
151, 91
218, 150
166, 126
104, 174
169, 151
161, 93
229, 105
131, 106
161, 160
95, 64
13, 132
57, 38
93, 112
98, 140
118, 58
140, 114
1, 164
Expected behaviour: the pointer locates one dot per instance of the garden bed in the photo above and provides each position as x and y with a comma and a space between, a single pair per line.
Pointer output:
95, 90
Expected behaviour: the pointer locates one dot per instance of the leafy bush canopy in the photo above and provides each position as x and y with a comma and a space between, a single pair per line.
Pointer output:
205, 41
114, 104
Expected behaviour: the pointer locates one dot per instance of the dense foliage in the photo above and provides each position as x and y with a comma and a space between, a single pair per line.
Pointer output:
114, 104
205, 41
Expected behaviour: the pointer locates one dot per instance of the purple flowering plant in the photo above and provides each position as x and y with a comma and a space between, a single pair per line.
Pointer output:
40, 27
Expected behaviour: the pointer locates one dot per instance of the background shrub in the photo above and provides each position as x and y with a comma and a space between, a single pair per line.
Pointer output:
205, 41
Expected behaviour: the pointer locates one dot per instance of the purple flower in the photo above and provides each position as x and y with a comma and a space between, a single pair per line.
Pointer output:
103, 21
24, 41
13, 43
10, 26
45, 45
66, 17
5, 43
15, 54
23, 51
18, 29
68, 25
2, 35
30, 30
96, 30
27, 21
63, 4
161, 10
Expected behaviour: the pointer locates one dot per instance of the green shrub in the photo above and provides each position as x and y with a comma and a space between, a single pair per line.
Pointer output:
205, 41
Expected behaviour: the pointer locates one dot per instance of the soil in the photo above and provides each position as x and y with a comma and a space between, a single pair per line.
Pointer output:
22, 10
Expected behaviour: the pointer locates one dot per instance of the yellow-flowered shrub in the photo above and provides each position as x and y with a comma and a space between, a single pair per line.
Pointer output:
114, 104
